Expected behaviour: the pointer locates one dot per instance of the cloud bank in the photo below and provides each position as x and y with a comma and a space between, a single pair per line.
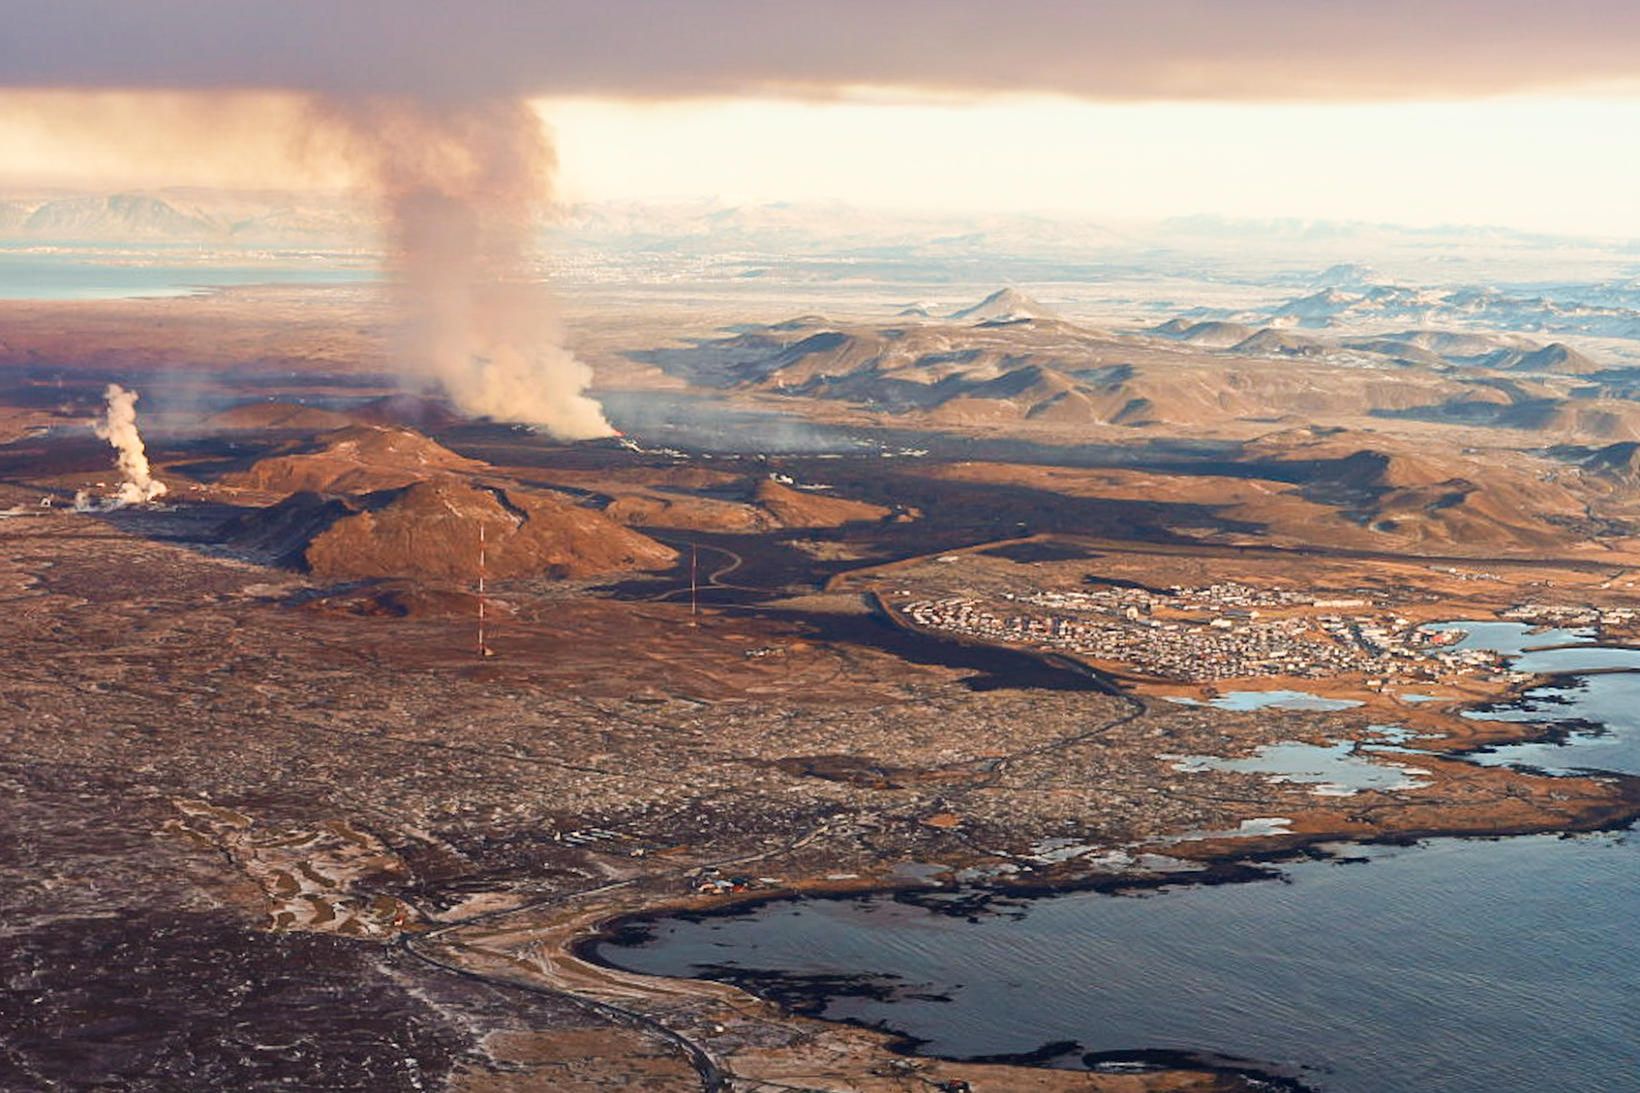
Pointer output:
1194, 49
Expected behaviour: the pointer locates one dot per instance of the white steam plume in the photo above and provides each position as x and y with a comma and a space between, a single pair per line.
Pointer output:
461, 185
119, 428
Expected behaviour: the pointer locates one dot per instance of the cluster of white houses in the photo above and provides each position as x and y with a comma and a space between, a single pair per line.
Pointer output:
1222, 631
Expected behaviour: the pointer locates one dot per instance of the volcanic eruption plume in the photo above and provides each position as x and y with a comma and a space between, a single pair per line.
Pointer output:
461, 185
119, 428
435, 100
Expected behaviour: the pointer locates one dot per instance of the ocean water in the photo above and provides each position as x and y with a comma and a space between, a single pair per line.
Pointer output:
1599, 715
1453, 966
33, 274
1596, 715
1457, 966
1510, 637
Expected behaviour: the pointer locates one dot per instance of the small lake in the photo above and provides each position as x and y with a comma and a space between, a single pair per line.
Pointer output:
1335, 770
1270, 700
1455, 966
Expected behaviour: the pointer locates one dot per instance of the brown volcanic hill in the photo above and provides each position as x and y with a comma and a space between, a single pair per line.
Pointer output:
1500, 512
1359, 460
1404, 352
1428, 499
1301, 438
1115, 396
1620, 461
1005, 305
1597, 419
412, 411
1392, 470
274, 415
1462, 345
1052, 374
1271, 342
430, 531
1540, 360
1056, 377
1479, 510
1211, 334
280, 533
357, 459
803, 509
1559, 358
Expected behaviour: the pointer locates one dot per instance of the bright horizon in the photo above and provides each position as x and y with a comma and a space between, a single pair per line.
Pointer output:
1558, 164
1555, 164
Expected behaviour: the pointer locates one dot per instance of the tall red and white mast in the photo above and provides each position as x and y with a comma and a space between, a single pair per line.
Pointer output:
483, 650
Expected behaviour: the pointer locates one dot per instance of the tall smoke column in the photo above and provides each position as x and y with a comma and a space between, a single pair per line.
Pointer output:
461, 185
119, 428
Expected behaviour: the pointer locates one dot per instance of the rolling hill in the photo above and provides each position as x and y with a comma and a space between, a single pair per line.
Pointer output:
429, 531
355, 459
1006, 305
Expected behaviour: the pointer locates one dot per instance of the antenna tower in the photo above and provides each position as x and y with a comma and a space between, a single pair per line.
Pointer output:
483, 650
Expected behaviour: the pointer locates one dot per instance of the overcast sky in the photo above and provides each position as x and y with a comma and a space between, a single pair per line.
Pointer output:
1511, 112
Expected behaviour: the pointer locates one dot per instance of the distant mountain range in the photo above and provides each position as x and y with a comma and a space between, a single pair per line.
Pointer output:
1429, 348
1608, 309
828, 243
705, 227
178, 216
1009, 360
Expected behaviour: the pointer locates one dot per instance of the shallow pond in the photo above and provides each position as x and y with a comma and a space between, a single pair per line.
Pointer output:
1270, 700
1334, 770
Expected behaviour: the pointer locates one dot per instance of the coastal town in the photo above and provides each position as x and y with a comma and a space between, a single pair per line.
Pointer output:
1226, 630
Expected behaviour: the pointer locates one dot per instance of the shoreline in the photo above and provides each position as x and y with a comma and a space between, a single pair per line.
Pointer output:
1218, 869
574, 970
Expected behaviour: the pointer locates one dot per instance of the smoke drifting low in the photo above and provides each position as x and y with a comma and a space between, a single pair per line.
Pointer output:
432, 97
461, 186
119, 428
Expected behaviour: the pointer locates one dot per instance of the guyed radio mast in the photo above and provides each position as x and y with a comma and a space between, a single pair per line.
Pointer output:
483, 649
